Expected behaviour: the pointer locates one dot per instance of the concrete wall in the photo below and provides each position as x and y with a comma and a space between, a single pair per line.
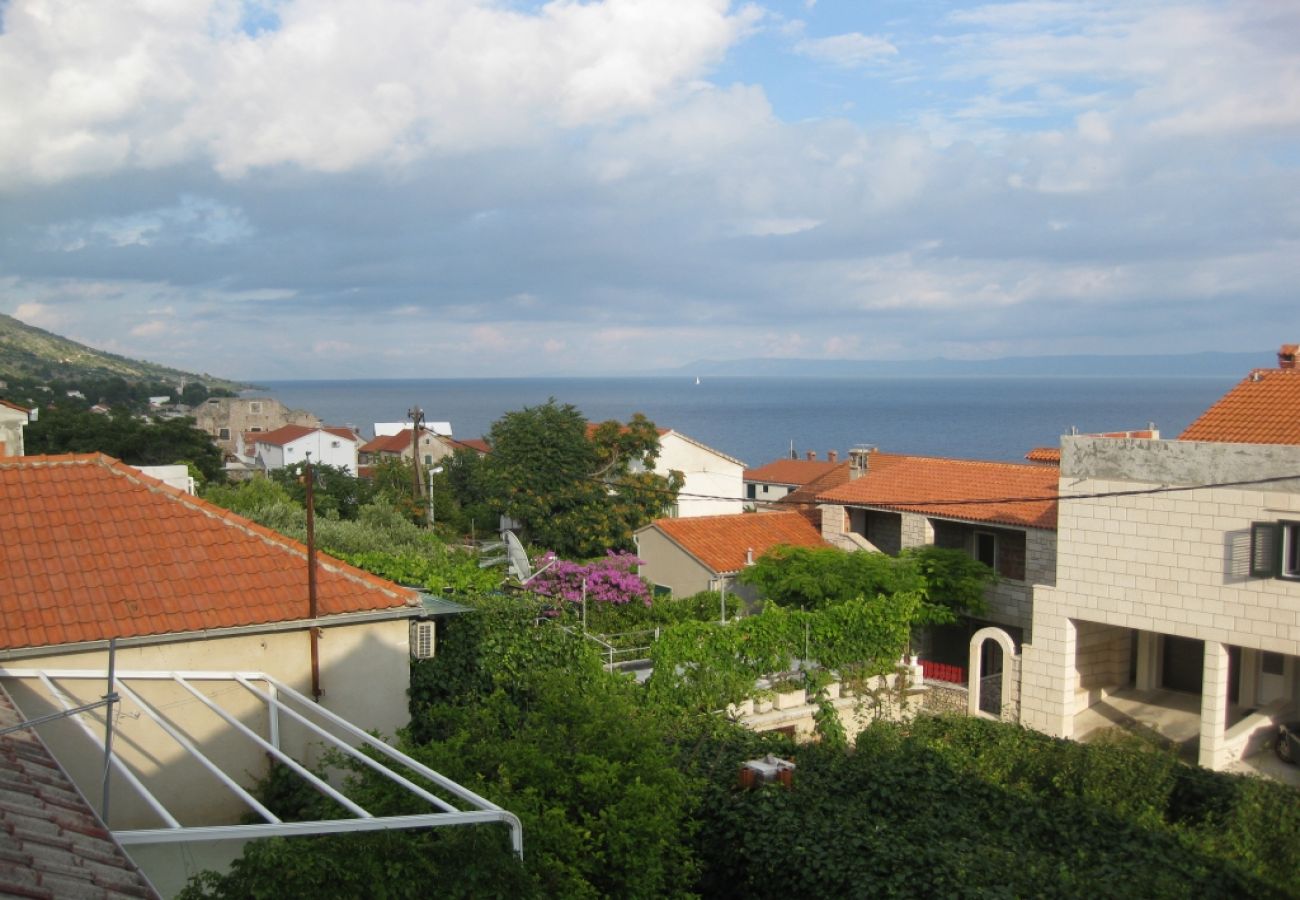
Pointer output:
365, 672
669, 565
708, 474
1169, 563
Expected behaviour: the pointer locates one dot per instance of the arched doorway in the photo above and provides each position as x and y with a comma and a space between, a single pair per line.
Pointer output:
992, 672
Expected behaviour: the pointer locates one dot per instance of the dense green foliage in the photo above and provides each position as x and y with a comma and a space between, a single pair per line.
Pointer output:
959, 807
158, 442
706, 665
336, 493
949, 582
574, 493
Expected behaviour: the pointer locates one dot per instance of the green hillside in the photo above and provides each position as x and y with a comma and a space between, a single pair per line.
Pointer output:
30, 353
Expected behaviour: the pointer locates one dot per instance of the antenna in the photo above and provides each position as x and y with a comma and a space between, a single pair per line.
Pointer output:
519, 564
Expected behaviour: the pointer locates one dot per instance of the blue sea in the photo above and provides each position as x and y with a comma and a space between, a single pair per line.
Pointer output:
756, 419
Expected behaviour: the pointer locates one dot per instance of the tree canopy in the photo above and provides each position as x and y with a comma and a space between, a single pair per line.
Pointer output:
156, 442
576, 491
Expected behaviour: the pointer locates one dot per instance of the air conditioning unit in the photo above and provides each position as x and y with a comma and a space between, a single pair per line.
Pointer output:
423, 640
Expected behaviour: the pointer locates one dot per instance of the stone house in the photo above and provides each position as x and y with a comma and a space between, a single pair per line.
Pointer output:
1003, 514
1179, 574
226, 418
399, 445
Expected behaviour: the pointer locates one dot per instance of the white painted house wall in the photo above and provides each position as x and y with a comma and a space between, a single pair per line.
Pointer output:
326, 448
709, 474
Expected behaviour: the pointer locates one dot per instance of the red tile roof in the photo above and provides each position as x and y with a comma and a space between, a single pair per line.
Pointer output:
394, 443
792, 472
723, 542
12, 405
91, 549
51, 842
287, 434
804, 499
1262, 409
476, 444
1050, 455
1004, 493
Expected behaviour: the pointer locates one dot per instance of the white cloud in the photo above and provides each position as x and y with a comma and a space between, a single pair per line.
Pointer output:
95, 87
849, 51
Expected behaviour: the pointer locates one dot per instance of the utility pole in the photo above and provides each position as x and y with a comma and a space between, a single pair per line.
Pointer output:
416, 415
313, 632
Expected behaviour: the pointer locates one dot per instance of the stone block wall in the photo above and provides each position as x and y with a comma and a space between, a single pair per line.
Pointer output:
1102, 658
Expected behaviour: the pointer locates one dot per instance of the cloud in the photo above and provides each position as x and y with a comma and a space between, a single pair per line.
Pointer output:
199, 220
330, 85
849, 51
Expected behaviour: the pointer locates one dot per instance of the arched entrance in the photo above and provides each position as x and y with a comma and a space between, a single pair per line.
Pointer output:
991, 674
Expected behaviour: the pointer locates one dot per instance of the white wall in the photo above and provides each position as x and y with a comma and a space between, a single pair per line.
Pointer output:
321, 446
365, 672
707, 472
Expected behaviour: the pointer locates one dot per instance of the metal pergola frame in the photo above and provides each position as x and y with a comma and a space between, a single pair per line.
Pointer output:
279, 700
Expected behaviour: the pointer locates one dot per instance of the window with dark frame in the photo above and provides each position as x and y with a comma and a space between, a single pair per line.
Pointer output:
986, 548
1275, 550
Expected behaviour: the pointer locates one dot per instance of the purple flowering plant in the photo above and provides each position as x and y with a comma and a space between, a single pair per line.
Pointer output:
609, 580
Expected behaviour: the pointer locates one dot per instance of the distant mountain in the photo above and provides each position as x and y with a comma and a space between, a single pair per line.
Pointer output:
27, 352
1208, 363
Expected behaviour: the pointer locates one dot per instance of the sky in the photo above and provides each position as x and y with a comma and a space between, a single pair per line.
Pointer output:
441, 188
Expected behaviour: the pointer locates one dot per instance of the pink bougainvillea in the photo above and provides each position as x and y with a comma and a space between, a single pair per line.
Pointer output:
609, 580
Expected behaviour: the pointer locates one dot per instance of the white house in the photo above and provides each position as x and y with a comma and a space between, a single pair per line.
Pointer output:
290, 444
714, 482
13, 419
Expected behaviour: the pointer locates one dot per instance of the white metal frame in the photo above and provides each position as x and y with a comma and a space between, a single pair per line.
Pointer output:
279, 700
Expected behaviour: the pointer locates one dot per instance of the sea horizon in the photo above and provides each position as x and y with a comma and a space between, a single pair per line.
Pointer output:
756, 419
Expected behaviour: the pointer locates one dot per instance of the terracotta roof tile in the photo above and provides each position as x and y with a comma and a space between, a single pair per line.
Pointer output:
723, 542
1262, 409
109, 551
1051, 455
287, 434
51, 842
792, 472
930, 485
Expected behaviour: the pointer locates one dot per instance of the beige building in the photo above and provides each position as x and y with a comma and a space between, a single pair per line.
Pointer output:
91, 549
1179, 574
226, 418
705, 553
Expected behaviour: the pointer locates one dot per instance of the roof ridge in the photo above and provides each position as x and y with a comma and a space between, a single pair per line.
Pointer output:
248, 526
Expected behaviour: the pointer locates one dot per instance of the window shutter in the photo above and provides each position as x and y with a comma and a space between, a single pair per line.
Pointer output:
1265, 549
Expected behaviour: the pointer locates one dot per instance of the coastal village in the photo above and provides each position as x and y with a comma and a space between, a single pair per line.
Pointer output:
1137, 581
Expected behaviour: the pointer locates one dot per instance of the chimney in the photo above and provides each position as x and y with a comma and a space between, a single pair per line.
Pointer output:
1286, 356
749, 556
811, 455
859, 461
832, 456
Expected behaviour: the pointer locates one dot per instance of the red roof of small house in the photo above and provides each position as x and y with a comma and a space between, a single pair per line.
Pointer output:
91, 548
287, 434
478, 445
1049, 455
724, 543
1264, 408
52, 844
395, 443
804, 499
971, 490
792, 472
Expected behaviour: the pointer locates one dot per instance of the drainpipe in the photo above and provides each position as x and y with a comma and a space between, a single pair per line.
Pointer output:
314, 631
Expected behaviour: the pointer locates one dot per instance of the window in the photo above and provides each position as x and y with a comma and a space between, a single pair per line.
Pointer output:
255, 407
428, 459
335, 444
751, 491
223, 434
986, 548
1275, 550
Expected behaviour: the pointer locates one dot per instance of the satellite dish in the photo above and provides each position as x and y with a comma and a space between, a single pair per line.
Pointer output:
519, 564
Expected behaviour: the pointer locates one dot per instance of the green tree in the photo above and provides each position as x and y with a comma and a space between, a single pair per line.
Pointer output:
337, 493
815, 577
575, 492
954, 583
156, 442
